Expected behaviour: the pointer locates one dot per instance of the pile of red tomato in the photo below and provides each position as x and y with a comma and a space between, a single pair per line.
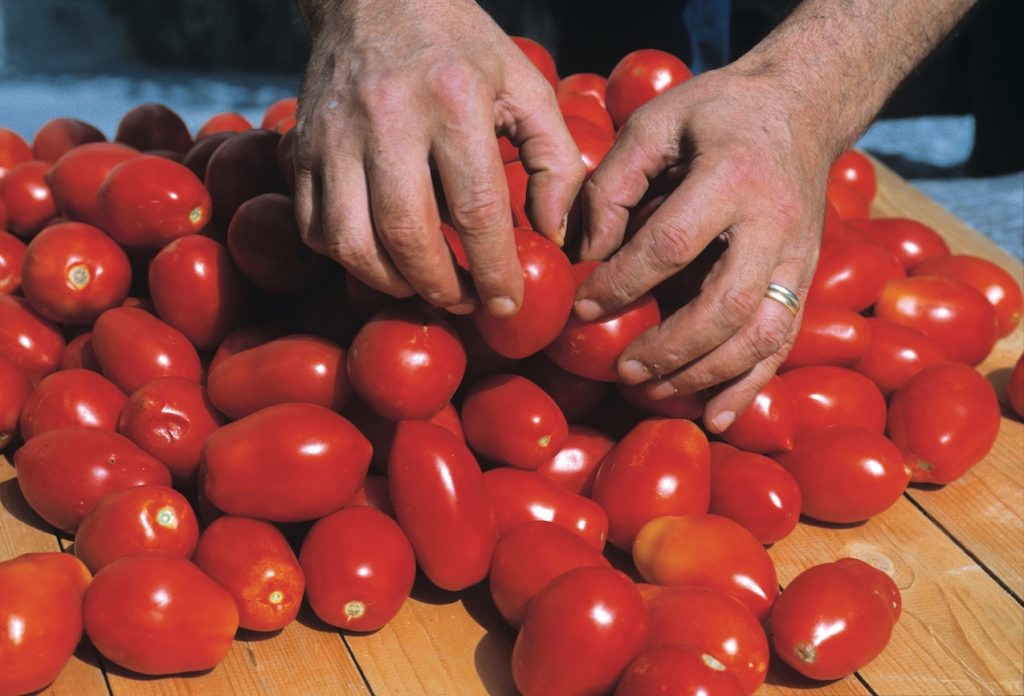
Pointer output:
227, 423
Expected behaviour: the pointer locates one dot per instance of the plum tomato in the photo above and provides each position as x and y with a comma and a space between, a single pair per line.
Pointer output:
252, 560
71, 397
911, 241
15, 388
846, 474
27, 197
280, 109
577, 397
153, 127
381, 432
440, 501
998, 286
156, 613
28, 340
855, 169
944, 420
756, 492
157, 349
133, 520
12, 255
1014, 388
78, 354
198, 157
510, 420
243, 167
688, 406
638, 78
227, 122
359, 568
769, 423
75, 178
579, 634
58, 136
13, 151
374, 493
584, 83
849, 202
244, 338
677, 669
896, 353
828, 336
285, 463
589, 109
707, 551
826, 395
591, 140
575, 466
540, 57
529, 556
850, 274
834, 618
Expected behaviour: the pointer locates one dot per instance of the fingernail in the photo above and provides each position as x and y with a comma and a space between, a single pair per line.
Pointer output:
634, 372
560, 234
722, 421
466, 308
501, 306
588, 310
662, 390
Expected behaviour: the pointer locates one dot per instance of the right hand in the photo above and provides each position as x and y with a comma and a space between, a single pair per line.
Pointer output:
394, 89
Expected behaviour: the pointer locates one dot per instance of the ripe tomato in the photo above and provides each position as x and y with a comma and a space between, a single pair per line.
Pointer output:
575, 466
244, 338
252, 560
78, 354
285, 463
512, 421
529, 556
662, 467
826, 395
707, 551
835, 618
169, 418
583, 106
279, 110
828, 336
30, 342
849, 202
911, 241
73, 272
153, 127
895, 354
381, 431
577, 397
756, 492
540, 58
28, 199
638, 78
12, 255
374, 493
584, 83
230, 122
133, 520
959, 318
440, 500
292, 369
677, 669
998, 286
834, 228
591, 140
1014, 388
945, 419
197, 289
13, 151
60, 135
64, 473
71, 397
547, 300
75, 178
855, 169
579, 634
156, 613
712, 622
14, 391
846, 474
688, 406
40, 618
516, 496
359, 568
850, 274
243, 167
157, 349
769, 423
198, 156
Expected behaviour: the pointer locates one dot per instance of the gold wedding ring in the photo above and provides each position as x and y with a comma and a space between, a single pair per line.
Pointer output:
784, 296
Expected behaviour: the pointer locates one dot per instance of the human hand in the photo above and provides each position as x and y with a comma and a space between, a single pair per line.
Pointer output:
395, 89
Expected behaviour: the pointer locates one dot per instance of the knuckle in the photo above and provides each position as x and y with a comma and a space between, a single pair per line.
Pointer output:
741, 167
735, 305
403, 233
671, 246
477, 208
449, 83
351, 254
766, 338
442, 295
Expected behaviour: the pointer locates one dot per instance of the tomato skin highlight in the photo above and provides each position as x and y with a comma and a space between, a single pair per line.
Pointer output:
71, 397
855, 169
639, 77
769, 422
677, 669
998, 286
76, 177
12, 255
32, 343
158, 349
757, 492
826, 395
15, 388
575, 466
828, 336
895, 354
913, 242
28, 199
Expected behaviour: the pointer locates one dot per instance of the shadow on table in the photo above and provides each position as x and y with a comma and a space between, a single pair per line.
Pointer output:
14, 503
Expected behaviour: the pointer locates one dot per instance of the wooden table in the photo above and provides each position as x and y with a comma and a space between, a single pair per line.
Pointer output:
957, 554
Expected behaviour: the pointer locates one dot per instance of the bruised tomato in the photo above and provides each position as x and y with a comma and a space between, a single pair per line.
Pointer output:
769, 423
71, 397
575, 466
158, 349
639, 77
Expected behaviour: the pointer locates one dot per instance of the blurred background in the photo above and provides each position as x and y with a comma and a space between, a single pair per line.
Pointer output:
954, 128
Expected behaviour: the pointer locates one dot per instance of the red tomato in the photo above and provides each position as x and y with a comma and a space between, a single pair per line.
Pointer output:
169, 418
998, 286
756, 492
895, 354
60, 135
512, 421
911, 241
230, 122
540, 58
156, 613
153, 127
279, 110
243, 167
712, 622
481, 359
677, 669
40, 618
71, 397
662, 467
381, 432
688, 406
707, 551
829, 336
592, 141
529, 556
75, 178
834, 618
359, 568
197, 289
440, 500
374, 493
12, 255
148, 202
945, 419
769, 423
577, 397
516, 496
198, 157
855, 169
32, 343
64, 473
588, 108
14, 391
28, 199
834, 229
508, 151
264, 241
13, 151
244, 338
575, 466
286, 124
958, 317
846, 474
285, 463
78, 354
156, 349
579, 634
849, 202
638, 78
1014, 388
252, 560
584, 83
547, 300
133, 520
826, 395
517, 180
73, 272
850, 274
